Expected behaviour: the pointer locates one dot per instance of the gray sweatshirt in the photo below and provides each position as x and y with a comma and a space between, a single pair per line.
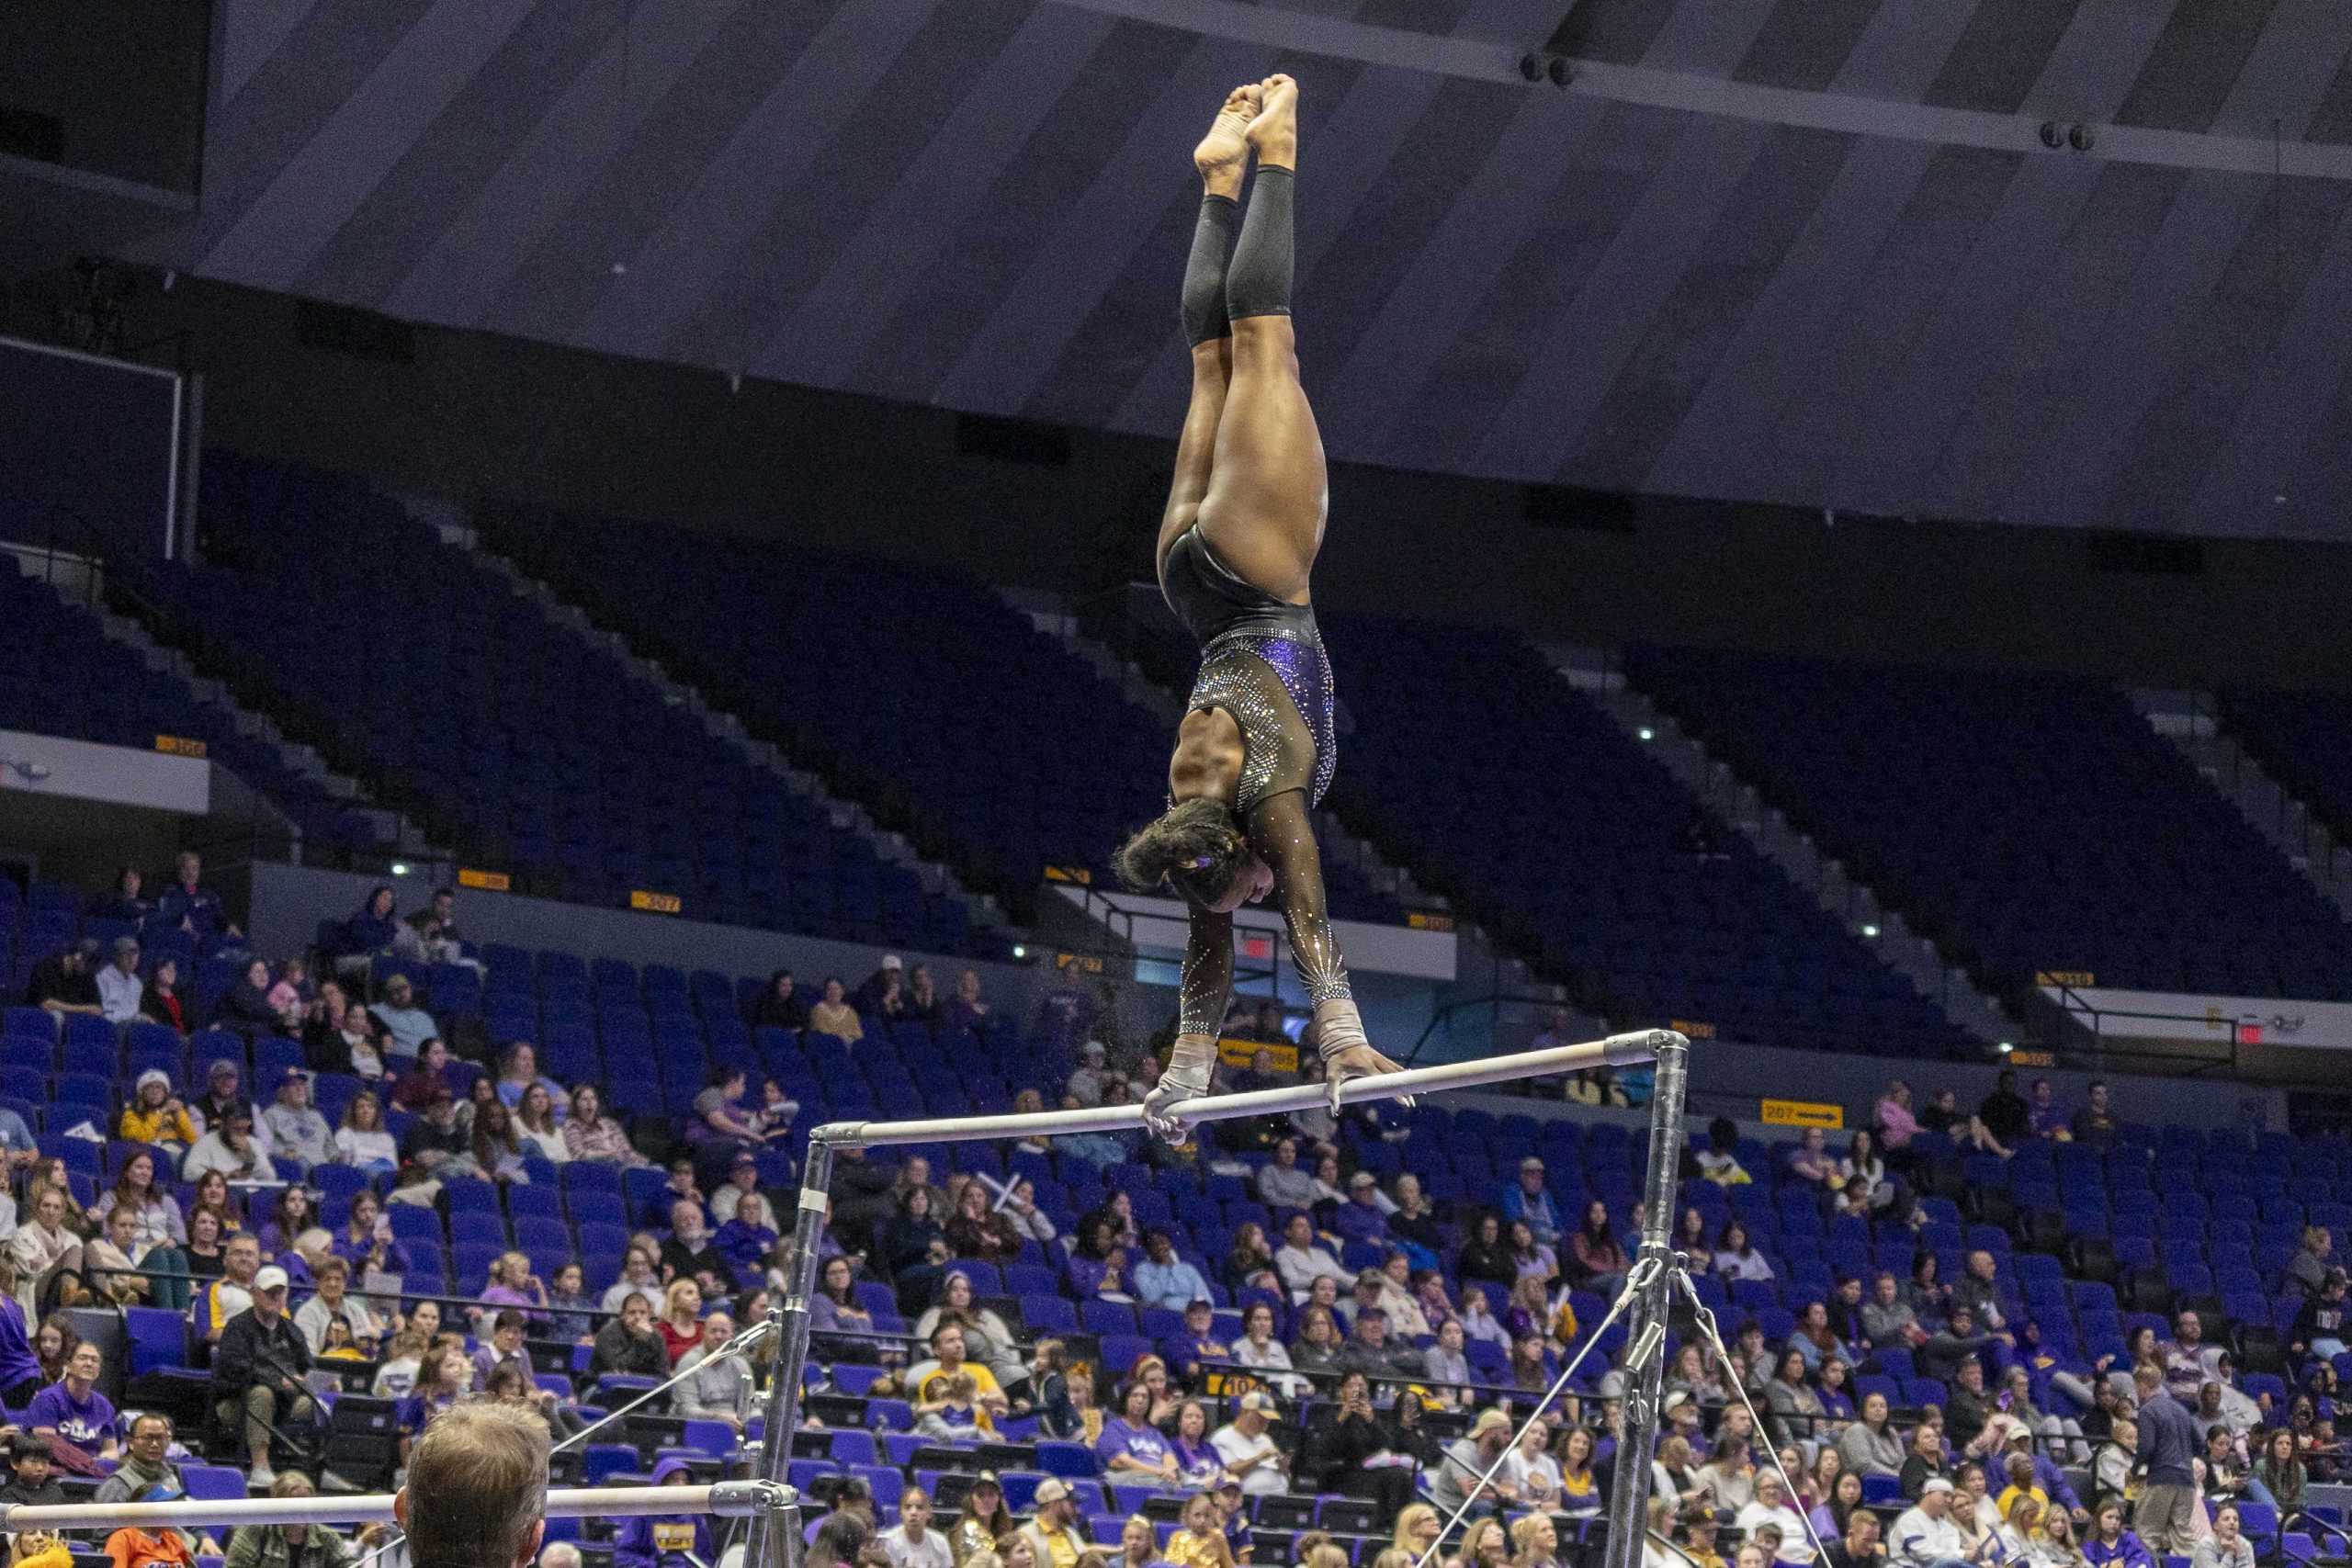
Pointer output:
715, 1389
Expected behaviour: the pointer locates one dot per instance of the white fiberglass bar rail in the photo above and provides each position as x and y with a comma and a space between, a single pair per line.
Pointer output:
1641, 1045
579, 1502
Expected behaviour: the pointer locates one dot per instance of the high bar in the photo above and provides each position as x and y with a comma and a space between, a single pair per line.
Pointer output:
1641, 1045
729, 1498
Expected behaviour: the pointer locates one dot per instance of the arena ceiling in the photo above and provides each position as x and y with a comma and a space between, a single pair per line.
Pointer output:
1802, 251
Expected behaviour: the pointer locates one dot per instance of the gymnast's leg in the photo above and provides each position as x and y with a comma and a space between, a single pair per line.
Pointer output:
1263, 509
1222, 158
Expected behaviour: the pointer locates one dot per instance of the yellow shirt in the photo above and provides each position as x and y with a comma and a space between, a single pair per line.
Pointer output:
1061, 1546
984, 1384
157, 1126
1189, 1550
2011, 1494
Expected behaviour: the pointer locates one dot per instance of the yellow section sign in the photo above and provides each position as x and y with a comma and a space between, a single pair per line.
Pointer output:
488, 881
2078, 979
179, 746
655, 903
1241, 1053
1802, 1113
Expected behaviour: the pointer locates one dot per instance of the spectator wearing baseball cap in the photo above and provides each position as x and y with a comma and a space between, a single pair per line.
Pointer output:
1251, 1459
258, 1371
1052, 1531
295, 1129
1361, 1218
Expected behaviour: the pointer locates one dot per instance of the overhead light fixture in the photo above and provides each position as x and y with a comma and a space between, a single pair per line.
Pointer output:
1870, 930
1645, 733
2006, 1046
399, 868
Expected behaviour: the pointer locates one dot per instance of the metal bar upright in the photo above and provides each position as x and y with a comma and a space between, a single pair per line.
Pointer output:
1645, 1331
775, 1540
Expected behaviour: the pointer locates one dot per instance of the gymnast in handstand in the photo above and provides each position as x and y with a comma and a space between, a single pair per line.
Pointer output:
1255, 749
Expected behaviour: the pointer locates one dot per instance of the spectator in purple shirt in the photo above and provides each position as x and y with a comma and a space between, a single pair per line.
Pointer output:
72, 1408
1359, 1218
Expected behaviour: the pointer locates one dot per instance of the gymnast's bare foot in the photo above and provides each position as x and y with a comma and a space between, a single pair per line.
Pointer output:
1222, 156
1273, 135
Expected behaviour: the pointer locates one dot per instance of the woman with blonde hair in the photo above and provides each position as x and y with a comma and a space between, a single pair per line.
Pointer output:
1535, 1541
539, 1126
1483, 1545
681, 1322
1417, 1527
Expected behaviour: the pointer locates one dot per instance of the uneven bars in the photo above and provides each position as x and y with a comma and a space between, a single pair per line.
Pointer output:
730, 1499
1642, 1045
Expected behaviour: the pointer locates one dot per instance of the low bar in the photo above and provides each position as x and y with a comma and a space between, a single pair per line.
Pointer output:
1618, 1050
728, 1499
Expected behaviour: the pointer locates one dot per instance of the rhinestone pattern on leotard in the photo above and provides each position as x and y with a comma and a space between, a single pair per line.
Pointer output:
1233, 677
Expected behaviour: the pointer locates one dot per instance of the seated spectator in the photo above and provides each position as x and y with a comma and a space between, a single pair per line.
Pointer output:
1527, 1199
1086, 1080
292, 994
2005, 1112
220, 1303
338, 1037
223, 1088
1369, 1350
112, 1260
591, 1135
146, 1471
719, 1387
294, 1213
1978, 1289
1736, 1258
1164, 1279
434, 1148
1944, 1115
1131, 1449
1719, 1161
31, 1480
641, 1277
977, 1230
1943, 1353
231, 1148
779, 1005
495, 1149
518, 1071
2187, 1359
156, 1116
690, 1253
721, 1125
258, 1372
1486, 1258
334, 1303
1967, 1406
746, 1240
127, 901
366, 1241
47, 1253
246, 1009
443, 1380
1315, 1342
161, 1001
1248, 1454
371, 932
296, 1131
73, 1411
121, 993
1597, 1261
363, 1142
408, 1025
439, 917
1812, 1163
2109, 1544
1453, 1479
967, 1011
64, 982
680, 1323
1361, 1218
1281, 1184
2044, 1119
926, 1379
1445, 1365
1792, 1406
833, 1015
2319, 1327
501, 1348
1414, 1224
1863, 1187
628, 1346
413, 1090
1259, 1350
1299, 1261
2226, 1547
511, 1284
2096, 1124
2307, 1272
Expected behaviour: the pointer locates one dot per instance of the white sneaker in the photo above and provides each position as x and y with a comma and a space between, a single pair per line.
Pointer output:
261, 1478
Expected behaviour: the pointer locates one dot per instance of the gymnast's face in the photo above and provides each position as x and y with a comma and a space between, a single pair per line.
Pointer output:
1250, 885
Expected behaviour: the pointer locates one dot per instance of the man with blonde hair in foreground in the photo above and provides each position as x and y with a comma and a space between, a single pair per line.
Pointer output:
477, 1488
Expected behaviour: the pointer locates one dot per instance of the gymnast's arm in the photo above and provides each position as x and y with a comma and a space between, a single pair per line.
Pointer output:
1283, 836
1205, 987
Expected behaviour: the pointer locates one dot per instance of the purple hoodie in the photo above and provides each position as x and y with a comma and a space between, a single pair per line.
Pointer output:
662, 1540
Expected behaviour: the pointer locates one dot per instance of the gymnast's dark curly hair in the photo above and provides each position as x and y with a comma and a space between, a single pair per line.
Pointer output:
1195, 847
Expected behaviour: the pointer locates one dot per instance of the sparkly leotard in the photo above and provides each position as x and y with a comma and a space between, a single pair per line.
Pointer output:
1262, 662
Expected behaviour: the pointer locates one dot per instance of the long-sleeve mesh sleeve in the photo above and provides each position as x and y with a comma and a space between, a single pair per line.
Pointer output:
1206, 985
1283, 835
